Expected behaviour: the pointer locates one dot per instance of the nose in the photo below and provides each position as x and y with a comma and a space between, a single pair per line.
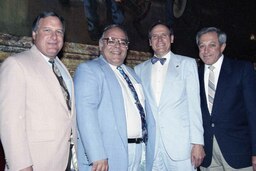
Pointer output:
117, 43
205, 49
54, 35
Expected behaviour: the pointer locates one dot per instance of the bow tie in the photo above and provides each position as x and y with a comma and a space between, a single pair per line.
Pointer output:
155, 59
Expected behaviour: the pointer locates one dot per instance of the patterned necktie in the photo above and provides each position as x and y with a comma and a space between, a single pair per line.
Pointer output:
64, 89
211, 88
72, 164
138, 104
155, 59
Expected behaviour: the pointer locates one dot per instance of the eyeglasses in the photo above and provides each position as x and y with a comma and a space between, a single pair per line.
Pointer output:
111, 41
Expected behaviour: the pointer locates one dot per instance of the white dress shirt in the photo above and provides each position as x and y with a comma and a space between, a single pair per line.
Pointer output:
216, 71
158, 75
133, 119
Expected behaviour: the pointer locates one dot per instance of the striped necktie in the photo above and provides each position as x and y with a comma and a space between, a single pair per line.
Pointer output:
138, 104
211, 88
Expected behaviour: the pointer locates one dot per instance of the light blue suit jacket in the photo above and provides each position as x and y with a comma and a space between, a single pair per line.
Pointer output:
178, 116
101, 117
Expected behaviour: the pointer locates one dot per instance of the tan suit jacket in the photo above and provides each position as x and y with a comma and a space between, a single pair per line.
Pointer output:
35, 123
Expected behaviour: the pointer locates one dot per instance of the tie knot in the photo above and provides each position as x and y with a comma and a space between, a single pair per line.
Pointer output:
211, 67
155, 59
119, 68
51, 60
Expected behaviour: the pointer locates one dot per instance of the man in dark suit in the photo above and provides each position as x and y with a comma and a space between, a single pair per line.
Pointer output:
228, 103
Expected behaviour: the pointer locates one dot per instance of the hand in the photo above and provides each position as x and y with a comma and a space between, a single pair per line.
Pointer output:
27, 169
254, 163
100, 165
197, 155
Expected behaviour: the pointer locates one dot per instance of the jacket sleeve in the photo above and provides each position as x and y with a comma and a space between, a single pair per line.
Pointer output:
13, 114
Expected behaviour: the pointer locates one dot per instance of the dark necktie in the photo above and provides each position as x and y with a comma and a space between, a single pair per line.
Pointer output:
138, 104
155, 59
64, 89
72, 153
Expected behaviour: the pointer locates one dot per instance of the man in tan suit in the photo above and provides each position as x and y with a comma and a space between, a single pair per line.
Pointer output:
37, 120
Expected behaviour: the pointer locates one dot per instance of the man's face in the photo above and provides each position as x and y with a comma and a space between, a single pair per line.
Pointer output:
210, 49
113, 46
161, 40
49, 36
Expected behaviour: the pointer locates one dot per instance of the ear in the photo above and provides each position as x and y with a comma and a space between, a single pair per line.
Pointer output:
33, 35
150, 42
172, 38
100, 45
222, 48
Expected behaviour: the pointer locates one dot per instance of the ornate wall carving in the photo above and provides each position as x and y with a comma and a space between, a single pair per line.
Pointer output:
71, 55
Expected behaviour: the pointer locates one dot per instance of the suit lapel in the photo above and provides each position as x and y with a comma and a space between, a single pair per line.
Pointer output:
147, 83
115, 93
72, 87
173, 71
204, 104
222, 81
47, 74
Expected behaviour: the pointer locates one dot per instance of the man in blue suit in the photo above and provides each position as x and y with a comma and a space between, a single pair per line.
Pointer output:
109, 122
228, 106
172, 88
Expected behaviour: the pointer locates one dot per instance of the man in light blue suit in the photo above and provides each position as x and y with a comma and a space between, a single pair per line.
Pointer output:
171, 86
109, 122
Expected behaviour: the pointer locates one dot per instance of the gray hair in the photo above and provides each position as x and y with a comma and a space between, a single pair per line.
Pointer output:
114, 26
222, 37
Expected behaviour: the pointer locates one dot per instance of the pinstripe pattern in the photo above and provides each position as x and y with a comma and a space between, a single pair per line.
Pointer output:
211, 88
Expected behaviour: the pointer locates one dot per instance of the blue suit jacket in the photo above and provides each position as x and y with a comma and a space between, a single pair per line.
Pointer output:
233, 118
178, 115
101, 117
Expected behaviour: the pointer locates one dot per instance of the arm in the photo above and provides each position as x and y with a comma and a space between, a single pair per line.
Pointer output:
88, 94
195, 115
254, 163
27, 169
249, 94
197, 155
13, 115
193, 96
100, 165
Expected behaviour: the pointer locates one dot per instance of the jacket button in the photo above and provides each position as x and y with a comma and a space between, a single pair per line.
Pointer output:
213, 125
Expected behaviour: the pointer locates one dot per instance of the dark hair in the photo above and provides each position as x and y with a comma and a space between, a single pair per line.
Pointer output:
44, 15
222, 37
159, 22
114, 26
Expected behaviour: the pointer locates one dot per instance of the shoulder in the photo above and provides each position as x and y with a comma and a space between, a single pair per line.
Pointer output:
238, 63
90, 64
21, 58
142, 65
184, 61
183, 58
